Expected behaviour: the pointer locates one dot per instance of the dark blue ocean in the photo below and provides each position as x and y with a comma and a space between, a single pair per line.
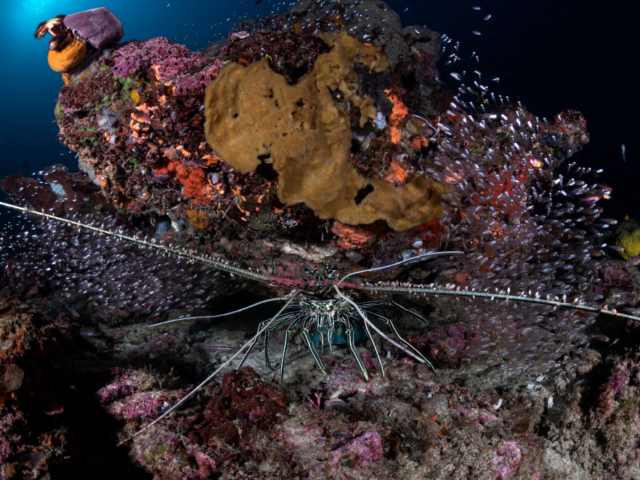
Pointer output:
550, 55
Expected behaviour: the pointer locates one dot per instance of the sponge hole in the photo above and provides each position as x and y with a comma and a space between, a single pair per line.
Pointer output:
362, 193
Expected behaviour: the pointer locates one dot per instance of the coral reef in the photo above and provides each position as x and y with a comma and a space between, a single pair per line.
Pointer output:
521, 390
137, 123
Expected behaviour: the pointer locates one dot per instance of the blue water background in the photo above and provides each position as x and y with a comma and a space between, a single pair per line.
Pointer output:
550, 55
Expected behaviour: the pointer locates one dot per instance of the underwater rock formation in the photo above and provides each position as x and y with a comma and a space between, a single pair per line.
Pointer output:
492, 175
138, 126
405, 167
29, 341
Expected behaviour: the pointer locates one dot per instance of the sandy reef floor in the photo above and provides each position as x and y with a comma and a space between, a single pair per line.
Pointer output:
86, 385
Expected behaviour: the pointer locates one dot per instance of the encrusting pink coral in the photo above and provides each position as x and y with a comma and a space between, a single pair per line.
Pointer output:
172, 64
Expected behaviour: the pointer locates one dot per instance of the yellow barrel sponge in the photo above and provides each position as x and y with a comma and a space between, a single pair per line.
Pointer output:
253, 115
68, 57
630, 241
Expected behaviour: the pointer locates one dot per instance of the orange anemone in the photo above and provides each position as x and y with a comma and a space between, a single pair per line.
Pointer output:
69, 56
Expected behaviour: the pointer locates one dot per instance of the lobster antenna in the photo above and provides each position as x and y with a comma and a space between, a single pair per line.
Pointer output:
408, 260
386, 288
551, 301
217, 264
187, 319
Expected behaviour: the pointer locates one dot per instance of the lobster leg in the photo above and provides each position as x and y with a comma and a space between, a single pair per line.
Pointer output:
268, 335
286, 346
375, 348
354, 351
400, 307
314, 352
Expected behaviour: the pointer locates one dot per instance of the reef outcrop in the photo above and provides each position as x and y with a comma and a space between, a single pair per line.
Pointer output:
367, 170
304, 146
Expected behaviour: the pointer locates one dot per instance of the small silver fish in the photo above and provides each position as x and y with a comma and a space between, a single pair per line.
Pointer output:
476, 32
167, 6
487, 17
476, 8
624, 153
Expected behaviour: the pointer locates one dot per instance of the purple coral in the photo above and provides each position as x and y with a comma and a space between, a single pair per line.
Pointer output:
137, 55
201, 79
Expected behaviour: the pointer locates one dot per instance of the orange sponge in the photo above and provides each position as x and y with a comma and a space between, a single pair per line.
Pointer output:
192, 178
68, 57
254, 116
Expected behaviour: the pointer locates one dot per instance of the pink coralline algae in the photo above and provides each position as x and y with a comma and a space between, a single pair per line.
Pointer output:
141, 405
206, 464
615, 385
347, 380
126, 396
5, 450
506, 460
171, 63
367, 447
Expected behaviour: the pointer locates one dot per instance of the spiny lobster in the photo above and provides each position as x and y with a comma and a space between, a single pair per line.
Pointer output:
327, 307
